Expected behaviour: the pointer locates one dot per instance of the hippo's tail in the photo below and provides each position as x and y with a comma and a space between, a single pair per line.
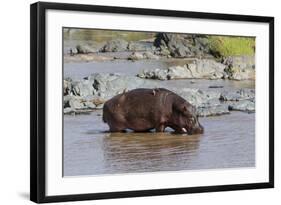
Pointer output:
103, 119
104, 111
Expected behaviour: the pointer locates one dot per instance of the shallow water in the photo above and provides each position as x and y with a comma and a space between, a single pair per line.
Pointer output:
228, 142
78, 71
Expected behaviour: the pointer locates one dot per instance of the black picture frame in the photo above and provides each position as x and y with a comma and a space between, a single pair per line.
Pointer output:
38, 101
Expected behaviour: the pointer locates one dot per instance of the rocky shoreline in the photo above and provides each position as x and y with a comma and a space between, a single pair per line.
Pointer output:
195, 48
235, 68
198, 62
90, 94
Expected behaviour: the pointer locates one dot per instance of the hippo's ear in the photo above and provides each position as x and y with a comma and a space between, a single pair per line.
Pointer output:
185, 109
182, 108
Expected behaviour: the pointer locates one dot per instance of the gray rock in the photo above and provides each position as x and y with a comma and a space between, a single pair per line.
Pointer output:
115, 45
181, 45
67, 87
73, 51
178, 72
240, 67
76, 103
82, 88
90, 104
243, 105
213, 110
136, 56
100, 106
139, 46
150, 55
108, 85
91, 93
201, 68
237, 95
159, 74
207, 68
142, 55
68, 110
198, 97
86, 48
164, 51
66, 100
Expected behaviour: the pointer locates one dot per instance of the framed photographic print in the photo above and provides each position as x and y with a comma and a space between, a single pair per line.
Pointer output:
129, 102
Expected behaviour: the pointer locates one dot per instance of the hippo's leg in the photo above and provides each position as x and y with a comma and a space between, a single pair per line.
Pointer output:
117, 129
145, 130
117, 123
160, 128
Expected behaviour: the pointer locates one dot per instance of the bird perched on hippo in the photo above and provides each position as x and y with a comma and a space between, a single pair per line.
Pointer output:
143, 109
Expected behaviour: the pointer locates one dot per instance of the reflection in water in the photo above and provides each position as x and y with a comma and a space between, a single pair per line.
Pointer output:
228, 142
139, 152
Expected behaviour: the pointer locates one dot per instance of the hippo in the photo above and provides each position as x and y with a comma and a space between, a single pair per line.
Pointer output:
142, 110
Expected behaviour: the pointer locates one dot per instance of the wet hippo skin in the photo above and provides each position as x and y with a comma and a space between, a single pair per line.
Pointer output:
143, 109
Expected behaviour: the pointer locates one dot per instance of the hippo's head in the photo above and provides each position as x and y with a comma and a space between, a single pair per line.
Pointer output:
185, 119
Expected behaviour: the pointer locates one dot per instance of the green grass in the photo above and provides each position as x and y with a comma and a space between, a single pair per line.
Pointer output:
105, 35
223, 46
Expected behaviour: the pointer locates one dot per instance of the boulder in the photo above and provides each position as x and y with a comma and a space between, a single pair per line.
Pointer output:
142, 55
76, 103
86, 48
68, 110
181, 45
106, 85
198, 97
136, 56
213, 110
91, 93
139, 46
82, 88
243, 105
237, 95
116, 45
201, 68
73, 51
150, 55
159, 74
207, 68
240, 67
67, 87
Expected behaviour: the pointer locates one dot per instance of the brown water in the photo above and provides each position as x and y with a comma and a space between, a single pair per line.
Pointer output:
228, 142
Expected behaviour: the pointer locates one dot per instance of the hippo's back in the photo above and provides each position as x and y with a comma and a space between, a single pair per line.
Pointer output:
135, 104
